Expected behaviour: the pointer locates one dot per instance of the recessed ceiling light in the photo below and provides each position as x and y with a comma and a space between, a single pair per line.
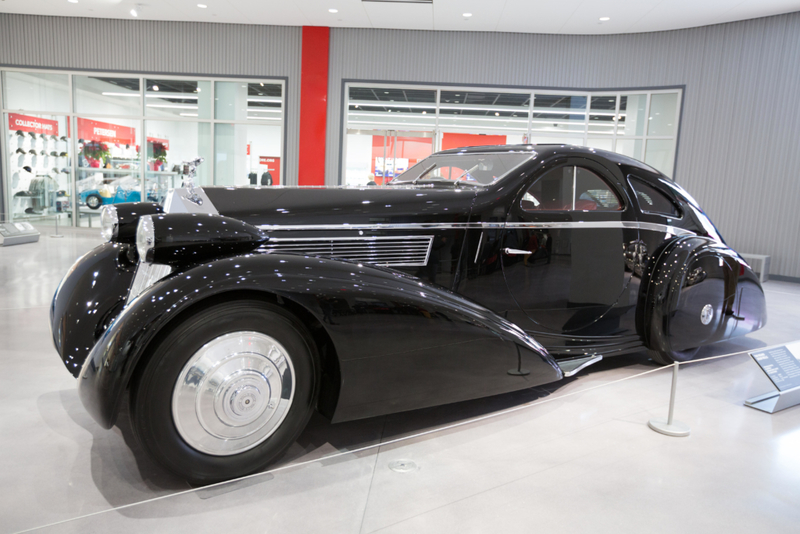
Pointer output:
202, 6
467, 15
72, 1
155, 88
604, 19
333, 10
135, 11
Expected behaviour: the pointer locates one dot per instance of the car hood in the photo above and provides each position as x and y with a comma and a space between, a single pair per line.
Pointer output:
316, 206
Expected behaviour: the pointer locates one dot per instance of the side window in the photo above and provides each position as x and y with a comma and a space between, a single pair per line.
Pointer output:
570, 188
652, 200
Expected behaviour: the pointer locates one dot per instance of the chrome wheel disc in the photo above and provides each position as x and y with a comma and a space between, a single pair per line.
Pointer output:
233, 393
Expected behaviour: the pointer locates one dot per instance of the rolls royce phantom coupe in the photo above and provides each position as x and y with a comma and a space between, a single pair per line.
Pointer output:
226, 316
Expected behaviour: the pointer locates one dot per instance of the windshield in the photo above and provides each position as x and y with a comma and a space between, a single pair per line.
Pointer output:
469, 168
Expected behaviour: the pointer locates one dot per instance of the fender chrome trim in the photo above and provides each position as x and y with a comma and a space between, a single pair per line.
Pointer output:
574, 225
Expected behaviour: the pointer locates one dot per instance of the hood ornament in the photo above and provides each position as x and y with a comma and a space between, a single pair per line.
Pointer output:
189, 174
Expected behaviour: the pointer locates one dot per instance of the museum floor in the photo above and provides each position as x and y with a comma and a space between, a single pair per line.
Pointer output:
575, 457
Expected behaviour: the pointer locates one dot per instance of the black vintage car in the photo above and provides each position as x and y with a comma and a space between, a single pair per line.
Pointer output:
228, 315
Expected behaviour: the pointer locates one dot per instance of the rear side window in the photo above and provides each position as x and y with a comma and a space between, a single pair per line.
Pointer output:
651, 200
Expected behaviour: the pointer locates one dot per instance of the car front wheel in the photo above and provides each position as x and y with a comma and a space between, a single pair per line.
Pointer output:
226, 392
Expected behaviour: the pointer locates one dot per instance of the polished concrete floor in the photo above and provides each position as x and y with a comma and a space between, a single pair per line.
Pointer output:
573, 457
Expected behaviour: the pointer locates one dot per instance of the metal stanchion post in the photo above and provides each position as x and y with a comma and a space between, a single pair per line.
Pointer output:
670, 427
56, 234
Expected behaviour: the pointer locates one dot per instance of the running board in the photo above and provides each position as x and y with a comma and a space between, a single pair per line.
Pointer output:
574, 366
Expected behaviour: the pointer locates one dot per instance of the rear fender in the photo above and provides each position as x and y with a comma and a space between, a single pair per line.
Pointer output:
689, 275
400, 343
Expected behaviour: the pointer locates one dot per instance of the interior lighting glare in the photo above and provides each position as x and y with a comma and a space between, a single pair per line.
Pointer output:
605, 19
155, 88
202, 6
332, 10
72, 1
467, 15
134, 12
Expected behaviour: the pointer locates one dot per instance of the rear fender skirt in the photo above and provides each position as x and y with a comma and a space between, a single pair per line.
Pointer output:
401, 343
697, 291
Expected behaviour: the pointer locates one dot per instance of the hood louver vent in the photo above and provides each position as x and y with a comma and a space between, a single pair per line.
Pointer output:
401, 251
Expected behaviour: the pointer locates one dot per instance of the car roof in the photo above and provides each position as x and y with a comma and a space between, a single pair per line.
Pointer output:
629, 164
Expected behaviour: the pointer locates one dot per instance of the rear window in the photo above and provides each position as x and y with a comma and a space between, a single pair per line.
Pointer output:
651, 200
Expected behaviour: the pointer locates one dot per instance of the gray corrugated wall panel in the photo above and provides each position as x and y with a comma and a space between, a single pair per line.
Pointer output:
739, 149
143, 46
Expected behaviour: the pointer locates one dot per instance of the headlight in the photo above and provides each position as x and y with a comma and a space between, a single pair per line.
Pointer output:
145, 238
108, 222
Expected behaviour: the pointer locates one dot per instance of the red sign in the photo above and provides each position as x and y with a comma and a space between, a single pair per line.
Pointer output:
31, 124
163, 142
90, 130
273, 166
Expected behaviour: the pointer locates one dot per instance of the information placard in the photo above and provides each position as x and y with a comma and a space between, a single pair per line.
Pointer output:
781, 365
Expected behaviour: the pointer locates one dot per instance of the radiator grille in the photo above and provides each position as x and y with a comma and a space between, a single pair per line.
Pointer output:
399, 251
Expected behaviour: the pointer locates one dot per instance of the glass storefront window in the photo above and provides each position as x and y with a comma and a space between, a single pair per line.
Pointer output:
475, 111
632, 110
35, 91
107, 96
660, 153
559, 113
177, 98
663, 109
375, 108
247, 154
602, 116
39, 170
630, 147
73, 142
108, 170
169, 144
622, 122
242, 101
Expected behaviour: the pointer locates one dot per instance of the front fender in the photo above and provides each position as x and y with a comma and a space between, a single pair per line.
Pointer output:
400, 343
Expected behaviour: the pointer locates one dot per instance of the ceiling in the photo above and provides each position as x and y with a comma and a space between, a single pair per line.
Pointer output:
525, 16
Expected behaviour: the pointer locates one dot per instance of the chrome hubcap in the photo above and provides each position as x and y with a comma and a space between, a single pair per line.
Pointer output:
233, 393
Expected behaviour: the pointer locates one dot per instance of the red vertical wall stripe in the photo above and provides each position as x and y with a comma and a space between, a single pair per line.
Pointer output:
313, 105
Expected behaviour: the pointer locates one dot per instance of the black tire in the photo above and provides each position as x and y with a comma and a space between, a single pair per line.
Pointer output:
94, 202
152, 391
668, 358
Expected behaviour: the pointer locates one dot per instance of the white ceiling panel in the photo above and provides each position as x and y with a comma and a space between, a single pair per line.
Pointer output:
400, 16
351, 13
546, 16
450, 15
525, 16
623, 15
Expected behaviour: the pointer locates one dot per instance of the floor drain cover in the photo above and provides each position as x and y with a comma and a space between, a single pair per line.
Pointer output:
402, 466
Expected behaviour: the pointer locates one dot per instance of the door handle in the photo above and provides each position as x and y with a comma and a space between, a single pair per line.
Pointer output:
515, 252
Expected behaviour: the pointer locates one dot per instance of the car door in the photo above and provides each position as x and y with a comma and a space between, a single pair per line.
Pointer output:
563, 252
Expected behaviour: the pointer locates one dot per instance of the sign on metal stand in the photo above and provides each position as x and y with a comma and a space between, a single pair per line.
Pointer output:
782, 367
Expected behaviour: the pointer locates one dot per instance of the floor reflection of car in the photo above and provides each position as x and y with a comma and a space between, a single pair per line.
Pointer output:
225, 315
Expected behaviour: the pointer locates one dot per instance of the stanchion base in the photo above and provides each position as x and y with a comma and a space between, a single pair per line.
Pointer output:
518, 372
676, 429
57, 235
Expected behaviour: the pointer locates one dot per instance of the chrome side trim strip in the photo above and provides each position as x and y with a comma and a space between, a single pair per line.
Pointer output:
482, 226
478, 251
